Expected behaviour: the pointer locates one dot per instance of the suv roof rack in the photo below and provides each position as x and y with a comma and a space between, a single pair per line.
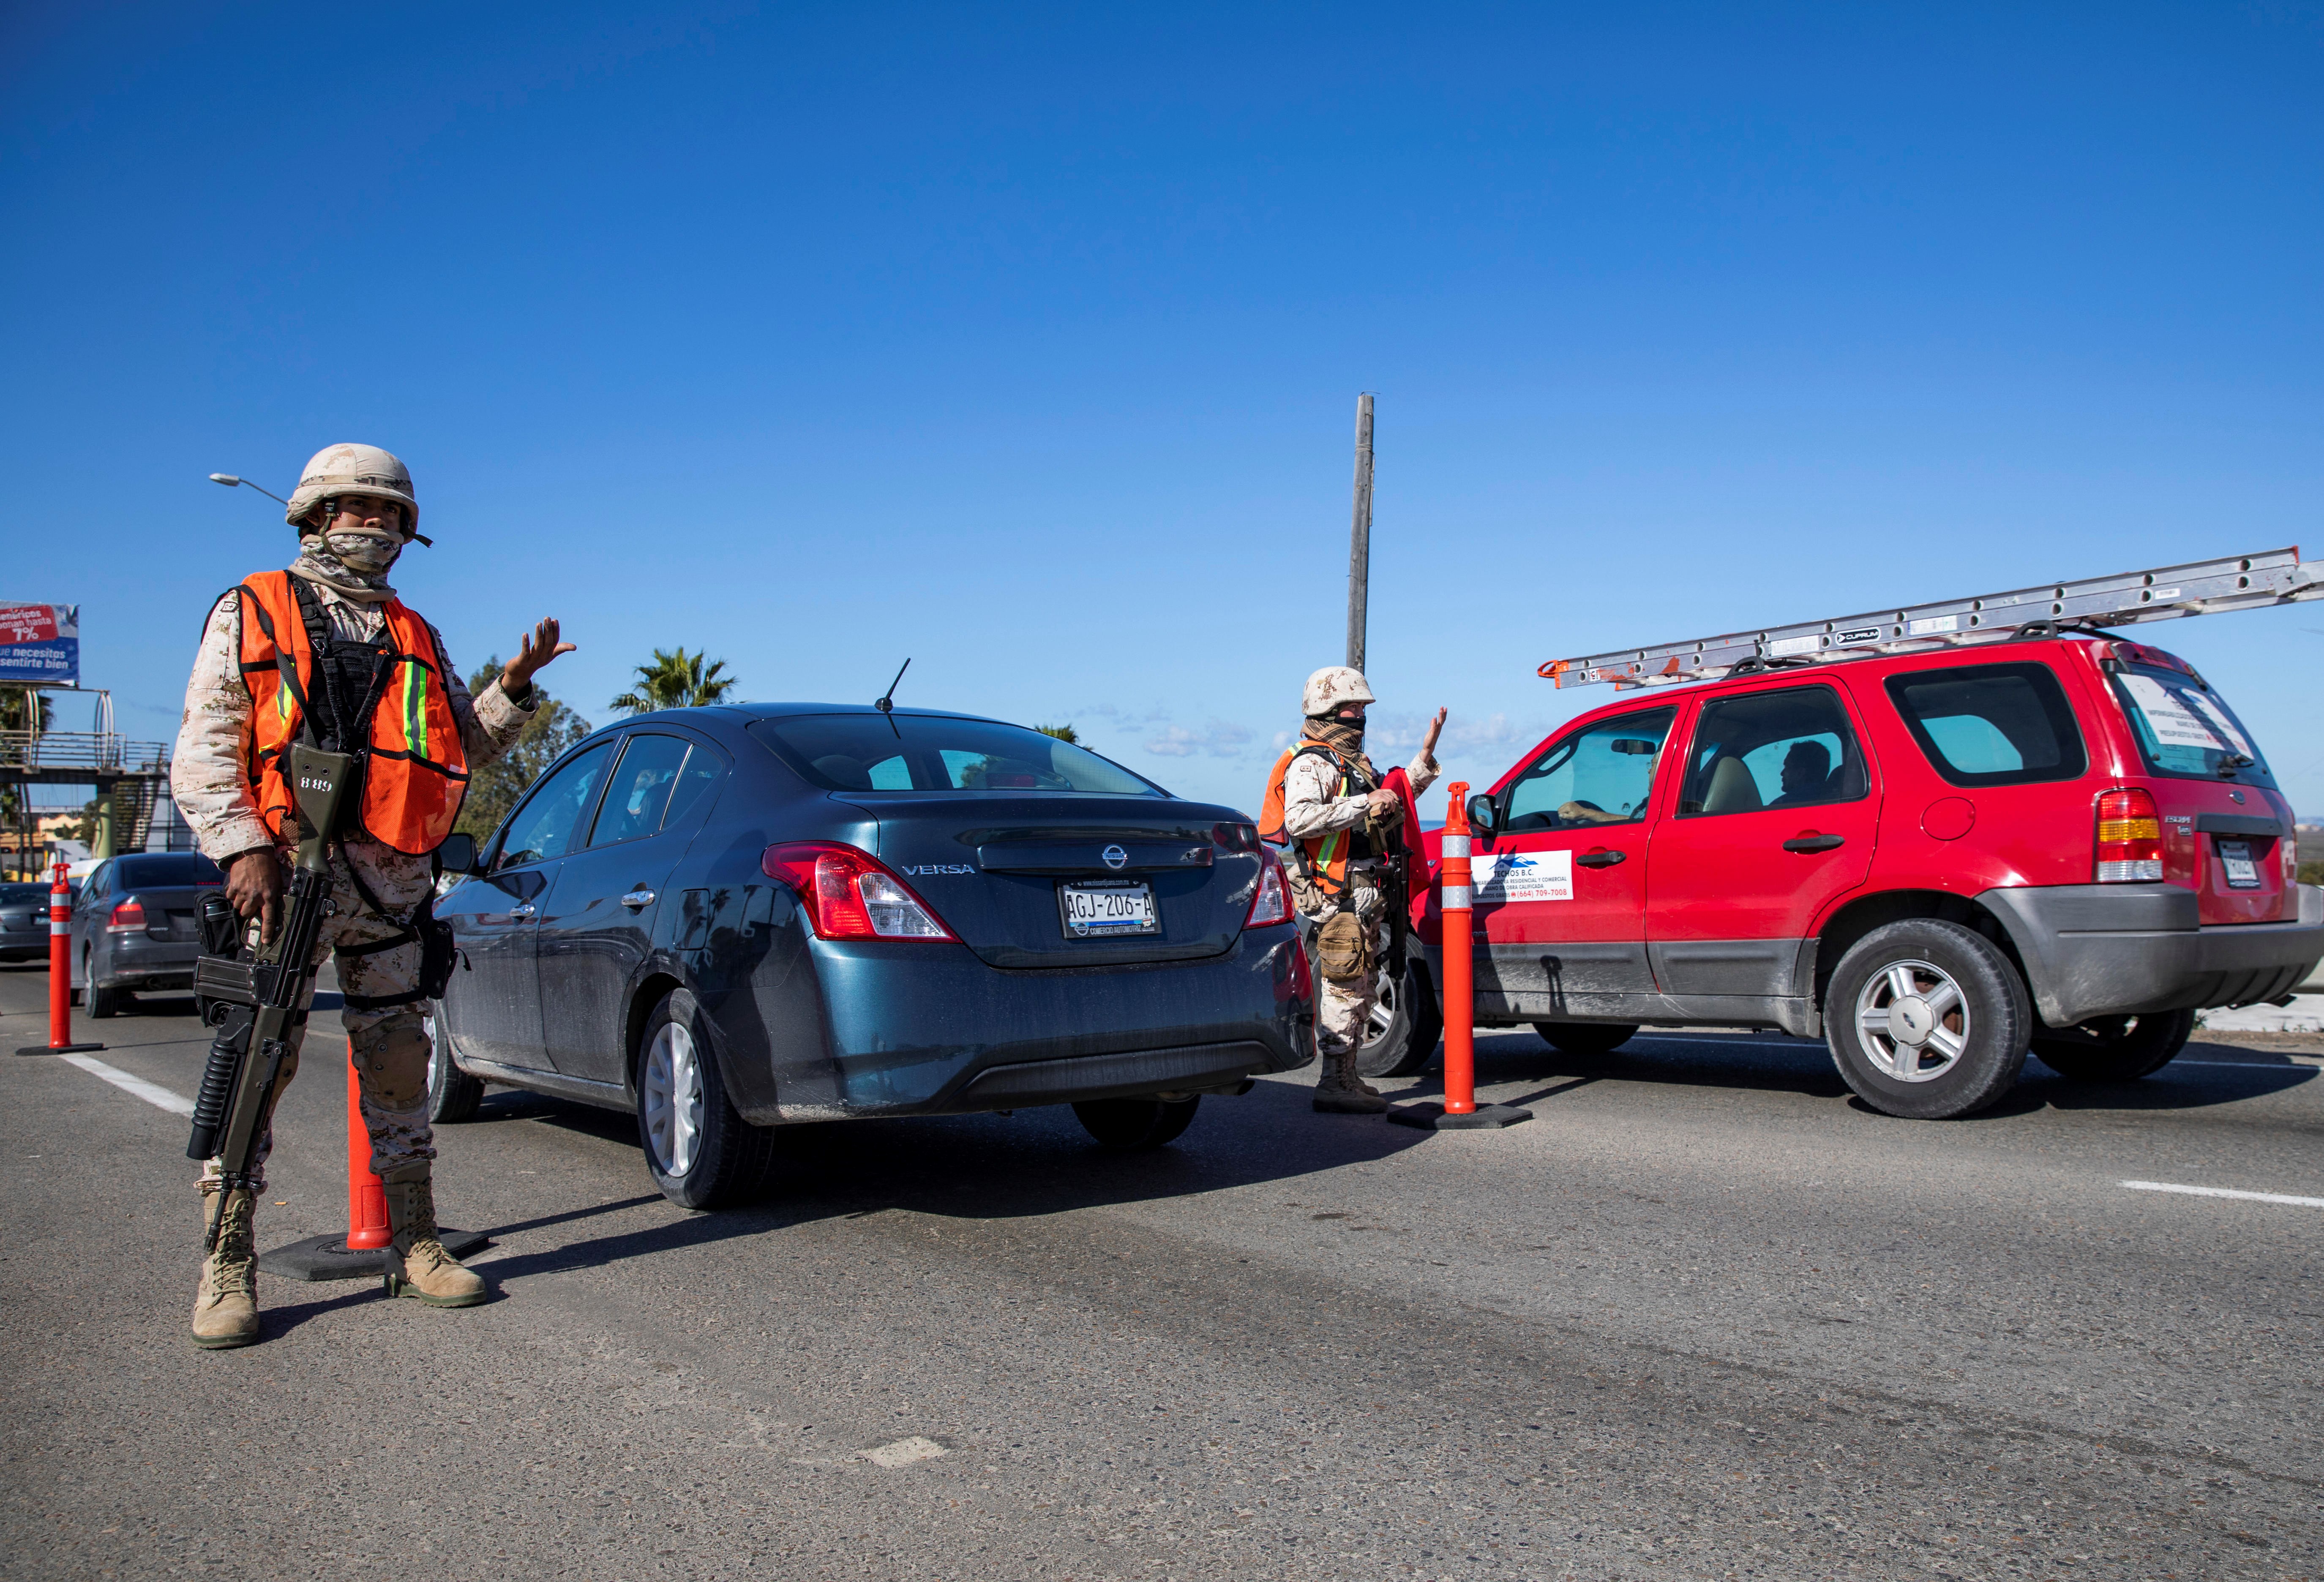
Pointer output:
2201, 587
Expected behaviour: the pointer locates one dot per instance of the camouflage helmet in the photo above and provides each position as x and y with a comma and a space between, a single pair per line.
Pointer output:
1332, 687
354, 469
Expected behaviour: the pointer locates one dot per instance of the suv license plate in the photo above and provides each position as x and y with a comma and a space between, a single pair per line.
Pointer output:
1102, 909
2243, 873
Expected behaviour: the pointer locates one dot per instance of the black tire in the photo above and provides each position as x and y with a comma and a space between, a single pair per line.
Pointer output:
1132, 1126
725, 1160
1406, 1027
2116, 1049
102, 1003
1976, 1046
453, 1095
1587, 1037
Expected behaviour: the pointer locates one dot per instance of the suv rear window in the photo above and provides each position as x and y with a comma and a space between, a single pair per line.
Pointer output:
161, 869
925, 752
1992, 724
2185, 729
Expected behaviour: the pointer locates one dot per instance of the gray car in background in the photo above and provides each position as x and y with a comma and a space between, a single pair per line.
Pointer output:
136, 926
23, 921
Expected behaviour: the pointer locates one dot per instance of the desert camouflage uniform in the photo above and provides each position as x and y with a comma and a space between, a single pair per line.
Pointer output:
1313, 808
210, 781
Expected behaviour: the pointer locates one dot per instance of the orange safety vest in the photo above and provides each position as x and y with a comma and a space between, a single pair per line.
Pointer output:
415, 768
1326, 855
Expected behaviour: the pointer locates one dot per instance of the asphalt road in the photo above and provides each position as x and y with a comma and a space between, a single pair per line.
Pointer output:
1703, 1317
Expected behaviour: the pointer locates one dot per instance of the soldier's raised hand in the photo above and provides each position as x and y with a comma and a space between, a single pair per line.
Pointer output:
535, 649
1428, 743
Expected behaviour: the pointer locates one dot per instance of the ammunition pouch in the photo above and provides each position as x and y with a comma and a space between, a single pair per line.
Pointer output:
1344, 947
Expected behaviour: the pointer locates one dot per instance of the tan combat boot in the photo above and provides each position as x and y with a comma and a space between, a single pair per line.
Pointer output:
416, 1264
1340, 1092
226, 1303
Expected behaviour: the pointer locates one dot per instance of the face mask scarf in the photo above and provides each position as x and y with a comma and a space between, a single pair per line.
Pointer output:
354, 564
1345, 737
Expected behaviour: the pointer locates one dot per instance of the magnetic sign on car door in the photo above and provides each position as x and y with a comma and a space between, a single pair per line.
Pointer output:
1524, 875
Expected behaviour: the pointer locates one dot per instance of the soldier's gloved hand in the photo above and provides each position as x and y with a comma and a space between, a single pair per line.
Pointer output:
1383, 803
254, 885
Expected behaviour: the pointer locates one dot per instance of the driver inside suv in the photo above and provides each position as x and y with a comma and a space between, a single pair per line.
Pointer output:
1806, 774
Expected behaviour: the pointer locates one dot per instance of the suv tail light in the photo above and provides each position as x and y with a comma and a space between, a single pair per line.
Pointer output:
848, 895
128, 916
1272, 904
2130, 837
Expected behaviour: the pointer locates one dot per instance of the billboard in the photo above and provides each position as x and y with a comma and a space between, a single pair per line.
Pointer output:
41, 642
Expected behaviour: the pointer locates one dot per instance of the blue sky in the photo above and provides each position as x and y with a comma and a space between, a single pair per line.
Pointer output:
1025, 341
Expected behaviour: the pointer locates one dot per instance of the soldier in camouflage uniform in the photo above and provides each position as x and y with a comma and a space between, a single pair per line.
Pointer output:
355, 511
1338, 818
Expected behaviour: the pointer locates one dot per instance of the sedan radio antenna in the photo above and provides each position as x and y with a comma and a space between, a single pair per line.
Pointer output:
887, 701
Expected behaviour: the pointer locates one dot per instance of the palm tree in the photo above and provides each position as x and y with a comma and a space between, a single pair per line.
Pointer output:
675, 681
1061, 732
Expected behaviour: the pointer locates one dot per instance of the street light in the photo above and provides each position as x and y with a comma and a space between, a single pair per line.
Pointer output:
229, 480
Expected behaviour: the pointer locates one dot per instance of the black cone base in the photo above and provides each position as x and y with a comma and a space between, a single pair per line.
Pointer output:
327, 1257
60, 1048
1485, 1117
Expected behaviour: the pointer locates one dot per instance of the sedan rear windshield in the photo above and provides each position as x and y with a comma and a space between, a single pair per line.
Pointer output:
925, 752
160, 869
17, 895
2185, 729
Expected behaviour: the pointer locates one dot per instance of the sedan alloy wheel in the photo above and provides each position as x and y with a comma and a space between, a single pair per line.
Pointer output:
673, 1097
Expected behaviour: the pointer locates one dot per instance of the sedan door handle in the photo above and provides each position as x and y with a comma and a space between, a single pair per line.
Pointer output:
1814, 842
638, 898
1598, 857
521, 909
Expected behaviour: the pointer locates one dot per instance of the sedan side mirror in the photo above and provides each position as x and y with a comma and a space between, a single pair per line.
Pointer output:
459, 852
1481, 814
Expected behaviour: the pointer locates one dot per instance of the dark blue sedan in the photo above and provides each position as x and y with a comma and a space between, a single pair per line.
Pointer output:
728, 919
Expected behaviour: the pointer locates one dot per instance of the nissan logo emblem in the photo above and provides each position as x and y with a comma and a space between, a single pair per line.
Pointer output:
1115, 856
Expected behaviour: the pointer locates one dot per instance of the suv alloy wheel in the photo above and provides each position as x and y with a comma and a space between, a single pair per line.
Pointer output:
1927, 1020
1406, 1023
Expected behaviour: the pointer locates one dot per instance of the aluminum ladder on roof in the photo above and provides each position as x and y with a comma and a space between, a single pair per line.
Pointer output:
2201, 587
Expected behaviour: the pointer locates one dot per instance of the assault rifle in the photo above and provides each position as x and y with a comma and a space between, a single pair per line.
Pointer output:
257, 1000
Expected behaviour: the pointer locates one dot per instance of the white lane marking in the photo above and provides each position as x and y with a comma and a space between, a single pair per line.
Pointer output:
2196, 1191
149, 1092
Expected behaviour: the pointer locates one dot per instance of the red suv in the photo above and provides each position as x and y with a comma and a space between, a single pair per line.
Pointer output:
1935, 861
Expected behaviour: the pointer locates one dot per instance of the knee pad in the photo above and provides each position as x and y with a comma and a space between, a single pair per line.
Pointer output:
391, 1058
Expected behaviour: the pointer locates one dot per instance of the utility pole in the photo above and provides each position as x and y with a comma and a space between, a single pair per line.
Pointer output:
1360, 537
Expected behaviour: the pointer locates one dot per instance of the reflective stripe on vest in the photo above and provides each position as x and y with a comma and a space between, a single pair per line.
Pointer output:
416, 771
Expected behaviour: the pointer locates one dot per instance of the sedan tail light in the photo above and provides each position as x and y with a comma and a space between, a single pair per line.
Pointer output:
2130, 837
1272, 903
848, 895
128, 916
